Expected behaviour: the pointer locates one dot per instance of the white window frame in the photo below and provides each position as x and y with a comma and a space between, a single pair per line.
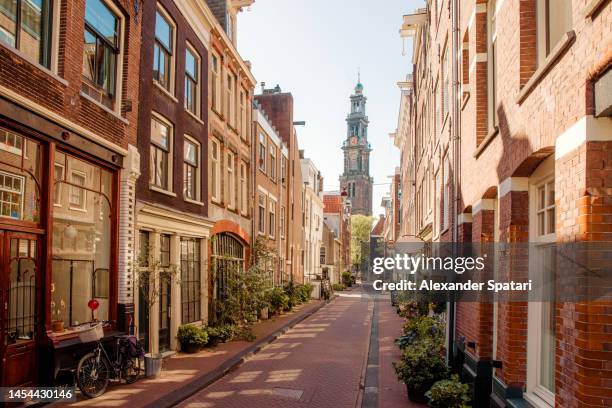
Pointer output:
283, 220
244, 195
271, 217
198, 170
215, 83
272, 150
491, 64
152, 186
58, 187
261, 215
73, 206
261, 158
215, 176
536, 394
543, 47
172, 77
21, 193
231, 180
197, 92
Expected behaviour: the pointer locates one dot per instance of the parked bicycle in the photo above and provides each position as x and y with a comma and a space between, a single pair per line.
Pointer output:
97, 368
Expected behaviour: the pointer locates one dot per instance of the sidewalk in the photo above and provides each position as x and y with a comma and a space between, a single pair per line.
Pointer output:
392, 392
185, 374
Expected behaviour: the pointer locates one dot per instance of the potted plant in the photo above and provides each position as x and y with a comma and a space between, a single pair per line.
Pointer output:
278, 300
191, 338
449, 394
149, 279
57, 323
422, 364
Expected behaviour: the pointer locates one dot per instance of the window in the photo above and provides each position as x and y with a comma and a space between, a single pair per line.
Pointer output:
242, 116
273, 163
282, 221
231, 100
446, 197
191, 173
542, 263
100, 52
164, 250
283, 169
215, 68
554, 19
26, 26
163, 50
227, 259
81, 251
322, 256
192, 84
11, 142
215, 171
262, 152
272, 218
244, 198
143, 249
77, 194
11, 195
231, 181
57, 186
445, 82
261, 216
191, 306
492, 65
161, 134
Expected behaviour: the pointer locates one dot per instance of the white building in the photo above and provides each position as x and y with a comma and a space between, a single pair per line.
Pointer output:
312, 218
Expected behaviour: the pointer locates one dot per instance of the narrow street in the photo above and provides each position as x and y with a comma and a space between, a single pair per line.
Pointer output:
318, 363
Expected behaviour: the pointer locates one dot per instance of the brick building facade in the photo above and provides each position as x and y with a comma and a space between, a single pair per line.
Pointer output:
68, 163
519, 83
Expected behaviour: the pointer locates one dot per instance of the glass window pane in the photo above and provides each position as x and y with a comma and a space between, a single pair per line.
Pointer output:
191, 64
8, 10
163, 31
89, 56
550, 193
191, 152
550, 221
102, 19
32, 38
160, 133
541, 198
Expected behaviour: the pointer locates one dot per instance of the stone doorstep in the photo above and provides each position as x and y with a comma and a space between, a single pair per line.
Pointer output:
176, 396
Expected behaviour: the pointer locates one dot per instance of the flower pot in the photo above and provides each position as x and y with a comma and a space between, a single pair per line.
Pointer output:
190, 348
417, 394
57, 326
153, 365
213, 341
263, 313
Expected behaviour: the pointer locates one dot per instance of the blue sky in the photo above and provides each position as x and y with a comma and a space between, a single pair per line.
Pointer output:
313, 50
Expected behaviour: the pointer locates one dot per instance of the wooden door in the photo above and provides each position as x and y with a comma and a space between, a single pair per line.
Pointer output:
20, 308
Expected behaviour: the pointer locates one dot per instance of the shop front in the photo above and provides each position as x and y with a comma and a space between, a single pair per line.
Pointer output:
58, 249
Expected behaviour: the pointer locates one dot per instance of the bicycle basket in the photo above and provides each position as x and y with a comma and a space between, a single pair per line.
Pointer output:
92, 333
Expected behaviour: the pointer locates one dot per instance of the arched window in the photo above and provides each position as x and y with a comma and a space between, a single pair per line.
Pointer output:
227, 258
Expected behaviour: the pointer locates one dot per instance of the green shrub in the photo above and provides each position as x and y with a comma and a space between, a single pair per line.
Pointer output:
421, 365
293, 294
304, 292
421, 328
347, 278
277, 299
189, 335
449, 394
338, 287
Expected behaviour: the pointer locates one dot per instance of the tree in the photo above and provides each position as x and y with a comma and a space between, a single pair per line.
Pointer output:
361, 226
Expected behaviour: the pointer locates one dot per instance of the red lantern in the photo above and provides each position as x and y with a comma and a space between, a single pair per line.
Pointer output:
93, 304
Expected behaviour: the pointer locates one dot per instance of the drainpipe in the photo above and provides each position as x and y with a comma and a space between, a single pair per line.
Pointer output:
456, 138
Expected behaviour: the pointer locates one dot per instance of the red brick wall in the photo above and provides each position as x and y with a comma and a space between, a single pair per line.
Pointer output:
63, 97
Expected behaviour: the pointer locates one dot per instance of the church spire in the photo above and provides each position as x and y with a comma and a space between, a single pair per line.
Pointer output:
359, 86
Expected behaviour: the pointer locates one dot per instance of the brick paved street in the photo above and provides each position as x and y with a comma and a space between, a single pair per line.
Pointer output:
318, 363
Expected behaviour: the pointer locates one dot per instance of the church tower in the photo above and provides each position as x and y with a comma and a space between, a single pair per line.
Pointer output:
356, 180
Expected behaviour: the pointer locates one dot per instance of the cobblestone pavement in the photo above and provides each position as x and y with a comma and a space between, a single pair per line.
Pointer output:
318, 363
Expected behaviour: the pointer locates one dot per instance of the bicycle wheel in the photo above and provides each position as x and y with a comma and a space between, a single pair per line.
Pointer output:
131, 370
93, 374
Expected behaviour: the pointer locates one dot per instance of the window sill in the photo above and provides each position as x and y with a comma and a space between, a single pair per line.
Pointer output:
536, 401
105, 108
483, 145
161, 190
217, 202
196, 202
165, 91
566, 41
35, 63
219, 114
593, 8
466, 98
195, 117
81, 210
